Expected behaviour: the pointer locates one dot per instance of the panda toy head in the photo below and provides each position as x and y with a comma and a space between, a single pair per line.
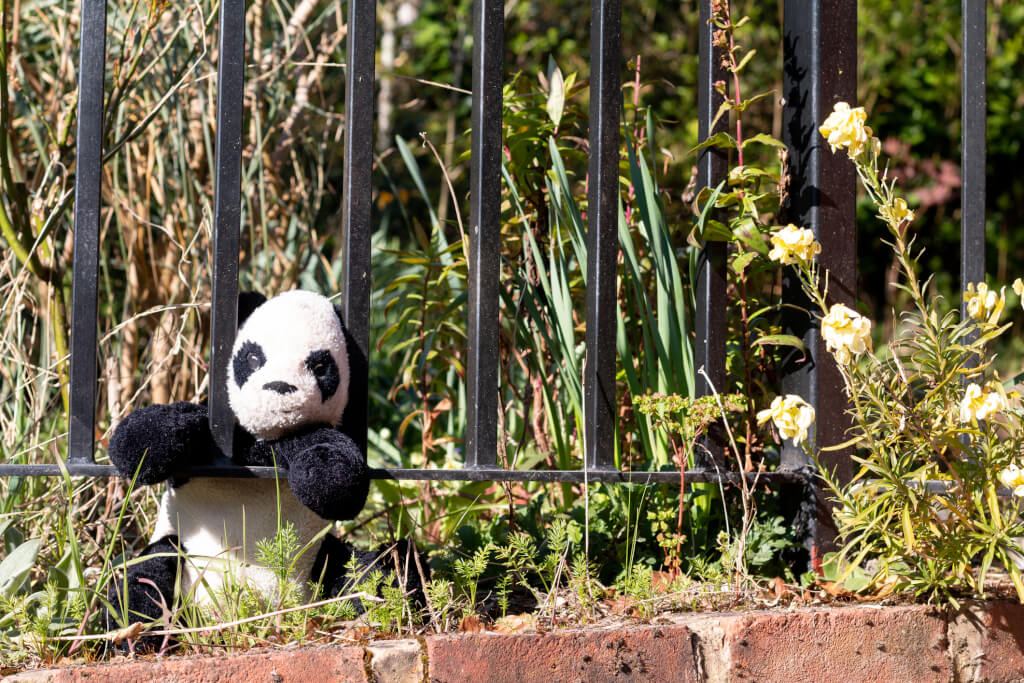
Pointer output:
289, 366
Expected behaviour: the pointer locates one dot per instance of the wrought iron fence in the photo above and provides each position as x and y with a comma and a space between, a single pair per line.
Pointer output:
820, 67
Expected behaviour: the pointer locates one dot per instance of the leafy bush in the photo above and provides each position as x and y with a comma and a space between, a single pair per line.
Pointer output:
937, 431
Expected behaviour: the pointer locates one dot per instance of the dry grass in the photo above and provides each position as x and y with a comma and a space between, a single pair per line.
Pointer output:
155, 223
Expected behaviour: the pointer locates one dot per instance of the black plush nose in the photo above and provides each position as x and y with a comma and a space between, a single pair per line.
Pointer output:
279, 387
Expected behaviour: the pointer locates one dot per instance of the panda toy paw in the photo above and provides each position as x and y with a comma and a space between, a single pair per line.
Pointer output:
327, 474
157, 440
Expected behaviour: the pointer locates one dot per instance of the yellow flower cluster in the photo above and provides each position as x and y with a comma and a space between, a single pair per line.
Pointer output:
898, 213
1018, 289
793, 245
978, 404
1013, 478
791, 415
844, 128
845, 332
984, 303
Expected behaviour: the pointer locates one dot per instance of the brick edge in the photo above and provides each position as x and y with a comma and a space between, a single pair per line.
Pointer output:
982, 641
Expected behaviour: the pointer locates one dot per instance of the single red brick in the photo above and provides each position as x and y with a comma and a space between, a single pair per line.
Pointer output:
847, 644
321, 665
647, 653
987, 641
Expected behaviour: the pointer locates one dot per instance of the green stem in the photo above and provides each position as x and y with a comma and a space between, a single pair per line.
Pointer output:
60, 341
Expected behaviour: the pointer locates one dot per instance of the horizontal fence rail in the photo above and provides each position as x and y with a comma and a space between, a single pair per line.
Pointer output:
467, 474
820, 65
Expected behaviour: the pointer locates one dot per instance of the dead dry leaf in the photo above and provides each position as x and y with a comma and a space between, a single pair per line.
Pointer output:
516, 623
471, 623
837, 591
661, 582
358, 633
131, 631
619, 605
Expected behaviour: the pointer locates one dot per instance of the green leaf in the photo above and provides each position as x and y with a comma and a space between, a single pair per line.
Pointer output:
722, 139
742, 106
751, 237
723, 109
764, 139
16, 566
714, 231
740, 262
700, 226
746, 58
556, 93
780, 340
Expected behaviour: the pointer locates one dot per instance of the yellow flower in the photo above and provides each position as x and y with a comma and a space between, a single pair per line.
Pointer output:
844, 128
845, 331
984, 303
1013, 478
791, 415
897, 213
792, 245
1018, 287
978, 404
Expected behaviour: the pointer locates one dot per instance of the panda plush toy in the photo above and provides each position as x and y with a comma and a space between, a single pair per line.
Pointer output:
288, 385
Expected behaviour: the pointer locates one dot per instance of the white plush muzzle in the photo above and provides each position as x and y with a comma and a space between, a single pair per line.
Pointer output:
279, 392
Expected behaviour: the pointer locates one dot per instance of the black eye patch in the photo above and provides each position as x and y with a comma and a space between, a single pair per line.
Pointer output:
325, 370
248, 360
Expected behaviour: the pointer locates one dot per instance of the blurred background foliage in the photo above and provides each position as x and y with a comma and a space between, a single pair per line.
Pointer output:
155, 269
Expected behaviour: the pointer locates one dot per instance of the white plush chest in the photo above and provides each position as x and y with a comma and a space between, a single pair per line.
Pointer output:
220, 521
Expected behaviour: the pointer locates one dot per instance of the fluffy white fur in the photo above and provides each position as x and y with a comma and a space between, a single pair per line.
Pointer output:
220, 521
288, 327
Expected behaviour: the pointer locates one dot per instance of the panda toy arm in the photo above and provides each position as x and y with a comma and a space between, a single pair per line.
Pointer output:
157, 440
326, 470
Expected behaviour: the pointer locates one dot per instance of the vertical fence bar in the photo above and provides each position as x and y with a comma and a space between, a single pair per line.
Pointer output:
357, 188
88, 174
820, 69
711, 276
602, 233
820, 44
972, 146
485, 234
227, 214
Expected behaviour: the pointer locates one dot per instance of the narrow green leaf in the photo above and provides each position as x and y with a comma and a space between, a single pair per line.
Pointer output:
763, 139
780, 340
746, 58
722, 139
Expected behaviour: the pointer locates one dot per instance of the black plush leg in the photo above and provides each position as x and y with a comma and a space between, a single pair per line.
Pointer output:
409, 569
146, 591
331, 568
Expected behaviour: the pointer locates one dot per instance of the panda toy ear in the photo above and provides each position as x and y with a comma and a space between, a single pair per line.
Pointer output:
247, 303
353, 420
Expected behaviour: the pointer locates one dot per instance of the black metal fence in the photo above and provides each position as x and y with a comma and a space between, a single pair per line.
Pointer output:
820, 63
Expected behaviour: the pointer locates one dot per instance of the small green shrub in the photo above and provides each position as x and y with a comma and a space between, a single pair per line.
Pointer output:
937, 430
